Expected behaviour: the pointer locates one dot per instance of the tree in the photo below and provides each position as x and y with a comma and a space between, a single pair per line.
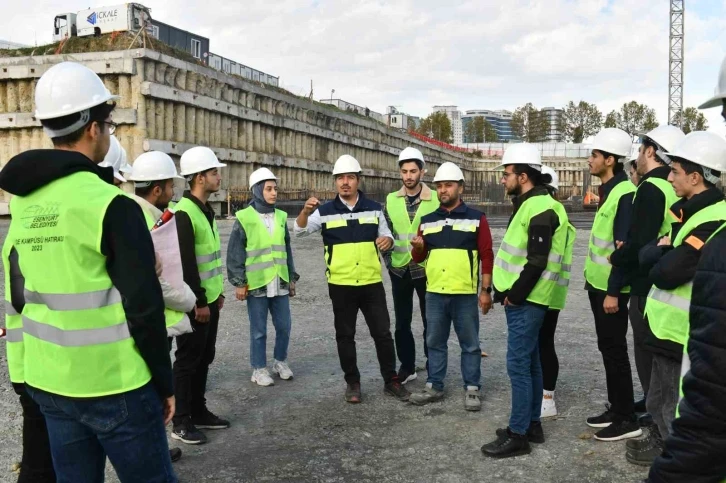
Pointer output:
692, 120
490, 134
530, 124
633, 118
412, 124
437, 126
580, 121
475, 130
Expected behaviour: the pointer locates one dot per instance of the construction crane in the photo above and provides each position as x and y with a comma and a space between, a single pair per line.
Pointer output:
675, 64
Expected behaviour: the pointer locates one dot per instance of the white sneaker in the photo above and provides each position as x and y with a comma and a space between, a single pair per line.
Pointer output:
262, 377
549, 409
282, 369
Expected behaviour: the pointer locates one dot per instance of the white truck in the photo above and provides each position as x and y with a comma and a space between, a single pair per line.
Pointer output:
96, 21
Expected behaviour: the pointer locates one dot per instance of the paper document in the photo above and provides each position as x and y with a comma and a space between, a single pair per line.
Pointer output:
166, 245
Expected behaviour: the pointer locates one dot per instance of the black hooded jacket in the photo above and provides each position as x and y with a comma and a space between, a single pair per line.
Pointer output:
125, 242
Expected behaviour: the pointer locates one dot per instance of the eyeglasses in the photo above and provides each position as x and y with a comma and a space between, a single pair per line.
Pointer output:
111, 126
506, 175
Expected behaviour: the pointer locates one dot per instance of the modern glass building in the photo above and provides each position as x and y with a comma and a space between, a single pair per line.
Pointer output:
500, 120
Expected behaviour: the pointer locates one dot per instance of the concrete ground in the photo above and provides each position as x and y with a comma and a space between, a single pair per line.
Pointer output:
302, 430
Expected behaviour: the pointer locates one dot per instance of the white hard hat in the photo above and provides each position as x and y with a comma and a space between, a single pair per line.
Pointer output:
69, 88
153, 166
612, 140
667, 137
116, 159
555, 184
448, 172
262, 174
634, 152
411, 154
522, 153
706, 149
346, 164
719, 93
198, 159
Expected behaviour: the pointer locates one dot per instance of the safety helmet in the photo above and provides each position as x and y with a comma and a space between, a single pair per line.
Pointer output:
262, 174
612, 140
719, 93
448, 172
522, 153
116, 159
706, 149
198, 159
667, 137
411, 154
69, 88
346, 164
555, 183
153, 166
634, 152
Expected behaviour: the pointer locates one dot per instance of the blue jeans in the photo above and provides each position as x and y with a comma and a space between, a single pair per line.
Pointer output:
523, 364
257, 308
463, 310
127, 427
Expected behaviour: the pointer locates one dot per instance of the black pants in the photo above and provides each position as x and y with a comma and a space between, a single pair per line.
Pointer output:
37, 463
194, 354
371, 300
612, 331
547, 354
643, 356
403, 289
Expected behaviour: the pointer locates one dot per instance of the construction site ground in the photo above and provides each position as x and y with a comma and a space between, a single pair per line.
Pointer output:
302, 430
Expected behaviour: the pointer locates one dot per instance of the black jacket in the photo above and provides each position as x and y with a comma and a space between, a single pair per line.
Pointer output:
125, 242
670, 267
695, 452
647, 218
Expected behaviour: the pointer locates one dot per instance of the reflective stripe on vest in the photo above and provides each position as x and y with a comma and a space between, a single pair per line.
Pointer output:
75, 336
266, 254
602, 239
559, 293
668, 310
404, 229
512, 254
207, 247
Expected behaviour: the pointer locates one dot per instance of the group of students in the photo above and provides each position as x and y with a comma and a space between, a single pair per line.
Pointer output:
91, 307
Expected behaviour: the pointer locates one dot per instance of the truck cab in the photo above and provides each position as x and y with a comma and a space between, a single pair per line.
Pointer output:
64, 26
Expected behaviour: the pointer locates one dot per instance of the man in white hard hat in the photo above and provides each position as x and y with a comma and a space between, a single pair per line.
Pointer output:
607, 286
633, 166
201, 255
116, 159
651, 202
719, 94
527, 268
547, 352
404, 210
87, 336
696, 166
456, 244
354, 232
260, 266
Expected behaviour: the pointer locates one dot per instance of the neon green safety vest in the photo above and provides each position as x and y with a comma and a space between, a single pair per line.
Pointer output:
602, 239
670, 199
667, 310
13, 324
559, 293
404, 230
512, 254
75, 335
266, 254
207, 248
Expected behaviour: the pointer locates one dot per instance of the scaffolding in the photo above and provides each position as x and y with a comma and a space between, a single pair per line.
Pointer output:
675, 65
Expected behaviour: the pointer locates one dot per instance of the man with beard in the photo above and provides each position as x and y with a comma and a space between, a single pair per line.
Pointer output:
527, 269
404, 210
607, 286
454, 241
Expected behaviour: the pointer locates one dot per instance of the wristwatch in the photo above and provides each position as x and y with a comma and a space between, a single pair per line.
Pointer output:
488, 289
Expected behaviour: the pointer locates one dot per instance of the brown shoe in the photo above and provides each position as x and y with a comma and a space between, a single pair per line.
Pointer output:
396, 389
352, 393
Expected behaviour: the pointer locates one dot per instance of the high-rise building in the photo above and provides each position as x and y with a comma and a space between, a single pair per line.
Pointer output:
553, 118
501, 121
454, 115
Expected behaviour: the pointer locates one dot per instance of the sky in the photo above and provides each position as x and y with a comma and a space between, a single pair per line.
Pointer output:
476, 54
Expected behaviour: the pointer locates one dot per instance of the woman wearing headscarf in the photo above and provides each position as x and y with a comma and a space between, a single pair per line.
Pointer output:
260, 266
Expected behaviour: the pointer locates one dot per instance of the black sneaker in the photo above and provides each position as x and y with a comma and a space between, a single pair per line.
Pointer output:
619, 430
175, 454
187, 433
208, 420
406, 376
396, 389
534, 433
507, 445
602, 421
